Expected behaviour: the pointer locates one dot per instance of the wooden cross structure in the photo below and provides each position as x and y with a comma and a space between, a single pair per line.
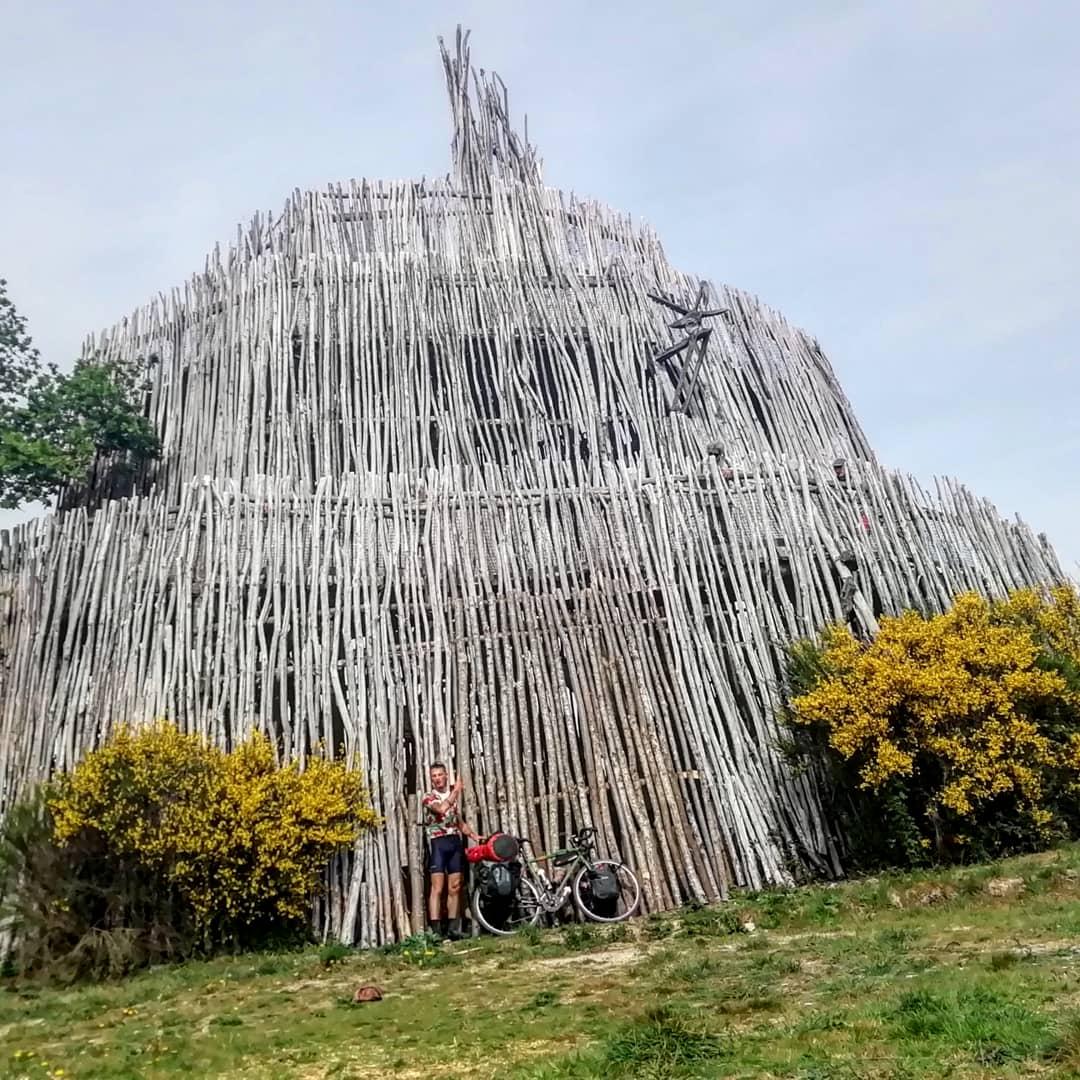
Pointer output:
695, 343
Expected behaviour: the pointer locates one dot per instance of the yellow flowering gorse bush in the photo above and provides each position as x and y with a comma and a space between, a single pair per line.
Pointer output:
1052, 620
1055, 626
238, 838
952, 704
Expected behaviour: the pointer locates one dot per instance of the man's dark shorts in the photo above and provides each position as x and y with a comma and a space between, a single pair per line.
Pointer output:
447, 855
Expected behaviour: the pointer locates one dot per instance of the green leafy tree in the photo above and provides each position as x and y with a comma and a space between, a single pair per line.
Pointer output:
56, 427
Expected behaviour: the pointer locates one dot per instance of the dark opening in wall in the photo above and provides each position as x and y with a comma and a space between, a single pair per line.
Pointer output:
543, 379
481, 359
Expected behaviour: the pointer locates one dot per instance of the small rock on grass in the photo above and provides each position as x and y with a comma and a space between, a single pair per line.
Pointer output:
1006, 886
928, 893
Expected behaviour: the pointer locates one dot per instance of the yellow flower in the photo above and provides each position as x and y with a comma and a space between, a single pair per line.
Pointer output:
241, 838
953, 697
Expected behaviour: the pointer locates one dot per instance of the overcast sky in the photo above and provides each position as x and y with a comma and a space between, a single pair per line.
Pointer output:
901, 180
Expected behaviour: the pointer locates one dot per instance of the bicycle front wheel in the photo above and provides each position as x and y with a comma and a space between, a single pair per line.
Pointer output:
505, 917
606, 908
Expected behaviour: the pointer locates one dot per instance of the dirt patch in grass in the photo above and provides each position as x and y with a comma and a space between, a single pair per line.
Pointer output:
606, 960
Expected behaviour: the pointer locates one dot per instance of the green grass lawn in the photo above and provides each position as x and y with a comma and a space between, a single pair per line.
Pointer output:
931, 975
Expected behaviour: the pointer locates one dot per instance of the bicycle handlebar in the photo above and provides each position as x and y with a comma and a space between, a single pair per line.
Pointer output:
582, 839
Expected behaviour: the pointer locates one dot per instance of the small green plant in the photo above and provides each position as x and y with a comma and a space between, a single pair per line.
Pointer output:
824, 906
618, 933
530, 935
709, 922
1065, 1050
542, 999
775, 907
422, 949
662, 1043
885, 954
826, 1021
274, 965
1001, 961
896, 937
657, 927
333, 952
423, 939
579, 936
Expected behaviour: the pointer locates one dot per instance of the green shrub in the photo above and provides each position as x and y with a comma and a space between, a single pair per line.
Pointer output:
951, 737
159, 846
74, 911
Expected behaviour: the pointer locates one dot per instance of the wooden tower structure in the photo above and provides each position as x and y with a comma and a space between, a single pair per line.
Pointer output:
438, 484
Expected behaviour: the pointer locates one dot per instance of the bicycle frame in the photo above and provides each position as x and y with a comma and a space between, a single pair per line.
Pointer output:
553, 892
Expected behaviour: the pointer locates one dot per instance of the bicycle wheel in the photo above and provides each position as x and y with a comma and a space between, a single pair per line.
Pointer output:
505, 917
607, 909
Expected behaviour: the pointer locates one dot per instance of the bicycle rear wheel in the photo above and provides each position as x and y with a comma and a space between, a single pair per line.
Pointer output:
607, 909
506, 917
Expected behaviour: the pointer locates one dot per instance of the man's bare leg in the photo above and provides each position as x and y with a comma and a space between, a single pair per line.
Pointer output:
453, 900
438, 883
453, 904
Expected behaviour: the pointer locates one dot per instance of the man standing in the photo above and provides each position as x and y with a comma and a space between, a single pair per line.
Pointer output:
445, 828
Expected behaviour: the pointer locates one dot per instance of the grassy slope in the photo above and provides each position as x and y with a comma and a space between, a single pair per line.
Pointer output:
916, 976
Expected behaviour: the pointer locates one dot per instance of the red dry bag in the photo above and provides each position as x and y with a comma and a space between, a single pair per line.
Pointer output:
499, 847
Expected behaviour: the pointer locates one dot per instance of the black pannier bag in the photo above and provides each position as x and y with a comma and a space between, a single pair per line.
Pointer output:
499, 880
604, 887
